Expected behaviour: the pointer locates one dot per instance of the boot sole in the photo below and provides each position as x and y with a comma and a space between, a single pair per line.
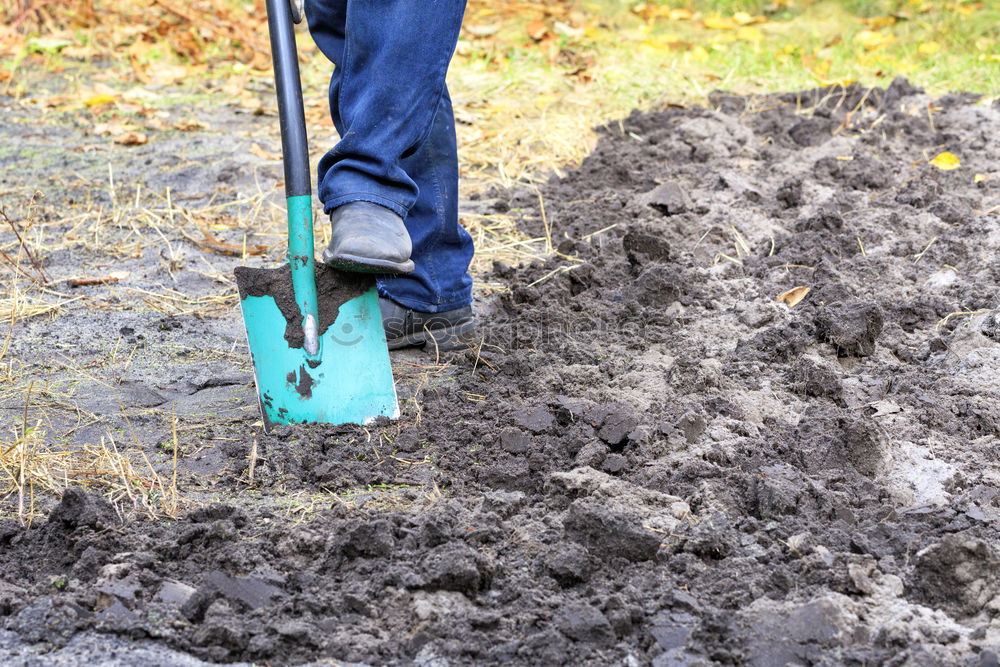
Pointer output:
355, 264
445, 339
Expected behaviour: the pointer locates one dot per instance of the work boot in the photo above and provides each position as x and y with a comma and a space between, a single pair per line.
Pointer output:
404, 327
368, 238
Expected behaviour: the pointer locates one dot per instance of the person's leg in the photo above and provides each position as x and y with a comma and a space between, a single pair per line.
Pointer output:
394, 149
327, 20
442, 249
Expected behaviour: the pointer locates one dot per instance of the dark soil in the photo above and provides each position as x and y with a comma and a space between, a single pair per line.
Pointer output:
654, 461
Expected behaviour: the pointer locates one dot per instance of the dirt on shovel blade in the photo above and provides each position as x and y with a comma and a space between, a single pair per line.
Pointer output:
652, 460
333, 288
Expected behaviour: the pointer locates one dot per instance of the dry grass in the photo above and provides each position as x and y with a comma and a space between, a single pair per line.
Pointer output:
31, 468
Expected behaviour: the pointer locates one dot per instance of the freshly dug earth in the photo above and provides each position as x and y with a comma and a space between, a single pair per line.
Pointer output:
652, 459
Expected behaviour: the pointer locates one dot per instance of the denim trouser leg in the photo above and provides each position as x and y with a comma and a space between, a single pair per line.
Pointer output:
391, 107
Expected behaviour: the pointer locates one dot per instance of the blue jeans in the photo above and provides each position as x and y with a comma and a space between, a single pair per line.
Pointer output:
390, 104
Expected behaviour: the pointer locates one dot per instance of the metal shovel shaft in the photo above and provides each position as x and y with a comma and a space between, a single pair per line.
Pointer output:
295, 151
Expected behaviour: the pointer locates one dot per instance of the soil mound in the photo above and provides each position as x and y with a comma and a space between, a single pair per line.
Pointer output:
655, 460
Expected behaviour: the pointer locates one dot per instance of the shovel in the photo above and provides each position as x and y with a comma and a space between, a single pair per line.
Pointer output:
315, 334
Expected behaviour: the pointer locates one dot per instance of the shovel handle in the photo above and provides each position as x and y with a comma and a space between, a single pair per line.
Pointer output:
295, 155
291, 114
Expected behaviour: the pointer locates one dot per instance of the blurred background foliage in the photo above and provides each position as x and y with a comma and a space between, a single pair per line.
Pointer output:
530, 79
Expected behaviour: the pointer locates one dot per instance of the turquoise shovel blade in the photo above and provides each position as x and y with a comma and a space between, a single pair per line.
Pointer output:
349, 380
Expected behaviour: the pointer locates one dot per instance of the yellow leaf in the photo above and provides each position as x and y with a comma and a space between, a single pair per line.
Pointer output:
793, 296
699, 53
719, 22
929, 48
98, 100
664, 44
871, 39
946, 161
680, 14
749, 34
822, 68
979, 178
742, 18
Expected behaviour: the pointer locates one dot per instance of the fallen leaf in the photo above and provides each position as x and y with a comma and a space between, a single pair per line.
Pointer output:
749, 34
255, 149
885, 407
209, 242
680, 14
929, 48
871, 40
138, 94
793, 296
567, 30
103, 129
189, 125
979, 178
719, 22
102, 280
744, 18
79, 52
946, 161
47, 44
482, 30
131, 139
537, 30
98, 100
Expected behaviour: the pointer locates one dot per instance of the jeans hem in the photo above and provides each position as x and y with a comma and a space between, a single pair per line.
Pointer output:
424, 306
369, 197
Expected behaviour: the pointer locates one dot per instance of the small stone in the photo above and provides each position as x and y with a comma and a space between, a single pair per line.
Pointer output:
251, 591
569, 564
851, 327
455, 567
515, 441
592, 454
613, 464
294, 629
122, 591
607, 533
504, 503
535, 420
668, 198
671, 628
116, 613
582, 622
175, 593
372, 540
616, 427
